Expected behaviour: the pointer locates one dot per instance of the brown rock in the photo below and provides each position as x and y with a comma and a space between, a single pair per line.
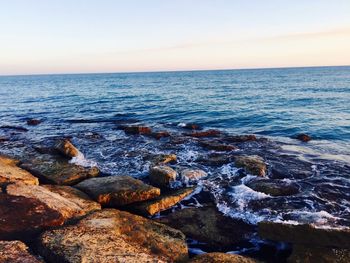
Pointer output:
218, 146
11, 173
137, 130
114, 236
240, 138
163, 202
274, 187
305, 234
217, 257
209, 226
162, 158
307, 254
69, 202
160, 134
162, 175
22, 217
3, 139
252, 164
115, 191
208, 133
33, 122
192, 174
16, 252
192, 126
66, 148
303, 137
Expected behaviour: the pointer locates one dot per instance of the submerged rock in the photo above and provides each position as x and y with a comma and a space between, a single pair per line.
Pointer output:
115, 191
274, 187
214, 159
22, 217
158, 159
216, 257
208, 133
69, 202
163, 202
305, 234
66, 148
218, 146
160, 134
162, 175
16, 252
240, 138
191, 126
137, 130
11, 173
303, 137
114, 236
252, 164
33, 122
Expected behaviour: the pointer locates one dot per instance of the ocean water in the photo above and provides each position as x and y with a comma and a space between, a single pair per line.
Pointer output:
275, 104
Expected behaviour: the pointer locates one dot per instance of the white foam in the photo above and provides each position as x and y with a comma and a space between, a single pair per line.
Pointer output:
80, 160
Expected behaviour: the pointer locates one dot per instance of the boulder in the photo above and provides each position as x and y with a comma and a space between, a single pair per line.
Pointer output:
110, 235
218, 146
162, 175
216, 257
192, 174
33, 122
16, 252
309, 254
115, 191
22, 217
69, 202
274, 187
252, 164
137, 130
303, 137
66, 148
207, 225
305, 234
240, 138
208, 133
11, 173
163, 202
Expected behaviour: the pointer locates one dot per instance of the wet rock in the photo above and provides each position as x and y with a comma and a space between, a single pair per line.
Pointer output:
66, 148
191, 126
192, 174
137, 130
159, 159
16, 252
305, 234
252, 164
11, 173
33, 122
209, 226
16, 128
274, 187
307, 254
22, 217
163, 202
208, 133
3, 139
214, 159
217, 257
218, 146
162, 175
52, 170
286, 166
160, 134
115, 191
114, 236
69, 202
303, 137
240, 138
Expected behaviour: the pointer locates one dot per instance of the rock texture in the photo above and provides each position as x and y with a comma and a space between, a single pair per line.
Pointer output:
115, 191
69, 202
23, 217
162, 175
159, 159
240, 138
137, 130
216, 257
208, 133
66, 148
16, 252
252, 164
274, 187
113, 236
11, 173
216, 146
307, 254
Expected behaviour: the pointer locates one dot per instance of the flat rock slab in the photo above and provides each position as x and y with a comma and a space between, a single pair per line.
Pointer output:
162, 175
55, 170
69, 202
274, 187
23, 217
16, 252
217, 257
305, 234
163, 202
11, 173
252, 164
115, 191
209, 226
110, 235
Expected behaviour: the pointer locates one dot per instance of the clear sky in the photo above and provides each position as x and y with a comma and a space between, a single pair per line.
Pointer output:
73, 36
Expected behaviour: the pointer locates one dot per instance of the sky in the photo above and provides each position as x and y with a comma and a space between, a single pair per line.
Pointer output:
85, 36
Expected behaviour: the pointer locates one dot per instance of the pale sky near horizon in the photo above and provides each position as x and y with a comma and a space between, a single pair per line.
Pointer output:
82, 36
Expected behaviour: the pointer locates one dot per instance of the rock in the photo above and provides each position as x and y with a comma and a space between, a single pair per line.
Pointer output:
110, 235
305, 234
192, 174
191, 126
307, 254
58, 171
69, 202
11, 173
137, 130
16, 252
160, 134
22, 217
252, 164
163, 202
16, 128
303, 137
214, 160
66, 148
3, 139
207, 225
162, 158
240, 138
208, 133
162, 175
33, 122
218, 146
115, 191
274, 187
216, 257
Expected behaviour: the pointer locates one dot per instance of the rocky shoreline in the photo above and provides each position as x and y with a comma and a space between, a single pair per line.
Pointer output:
53, 210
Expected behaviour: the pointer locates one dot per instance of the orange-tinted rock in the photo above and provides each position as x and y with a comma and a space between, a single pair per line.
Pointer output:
208, 133
33, 122
160, 134
303, 137
137, 130
191, 126
16, 252
66, 148
217, 257
159, 159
